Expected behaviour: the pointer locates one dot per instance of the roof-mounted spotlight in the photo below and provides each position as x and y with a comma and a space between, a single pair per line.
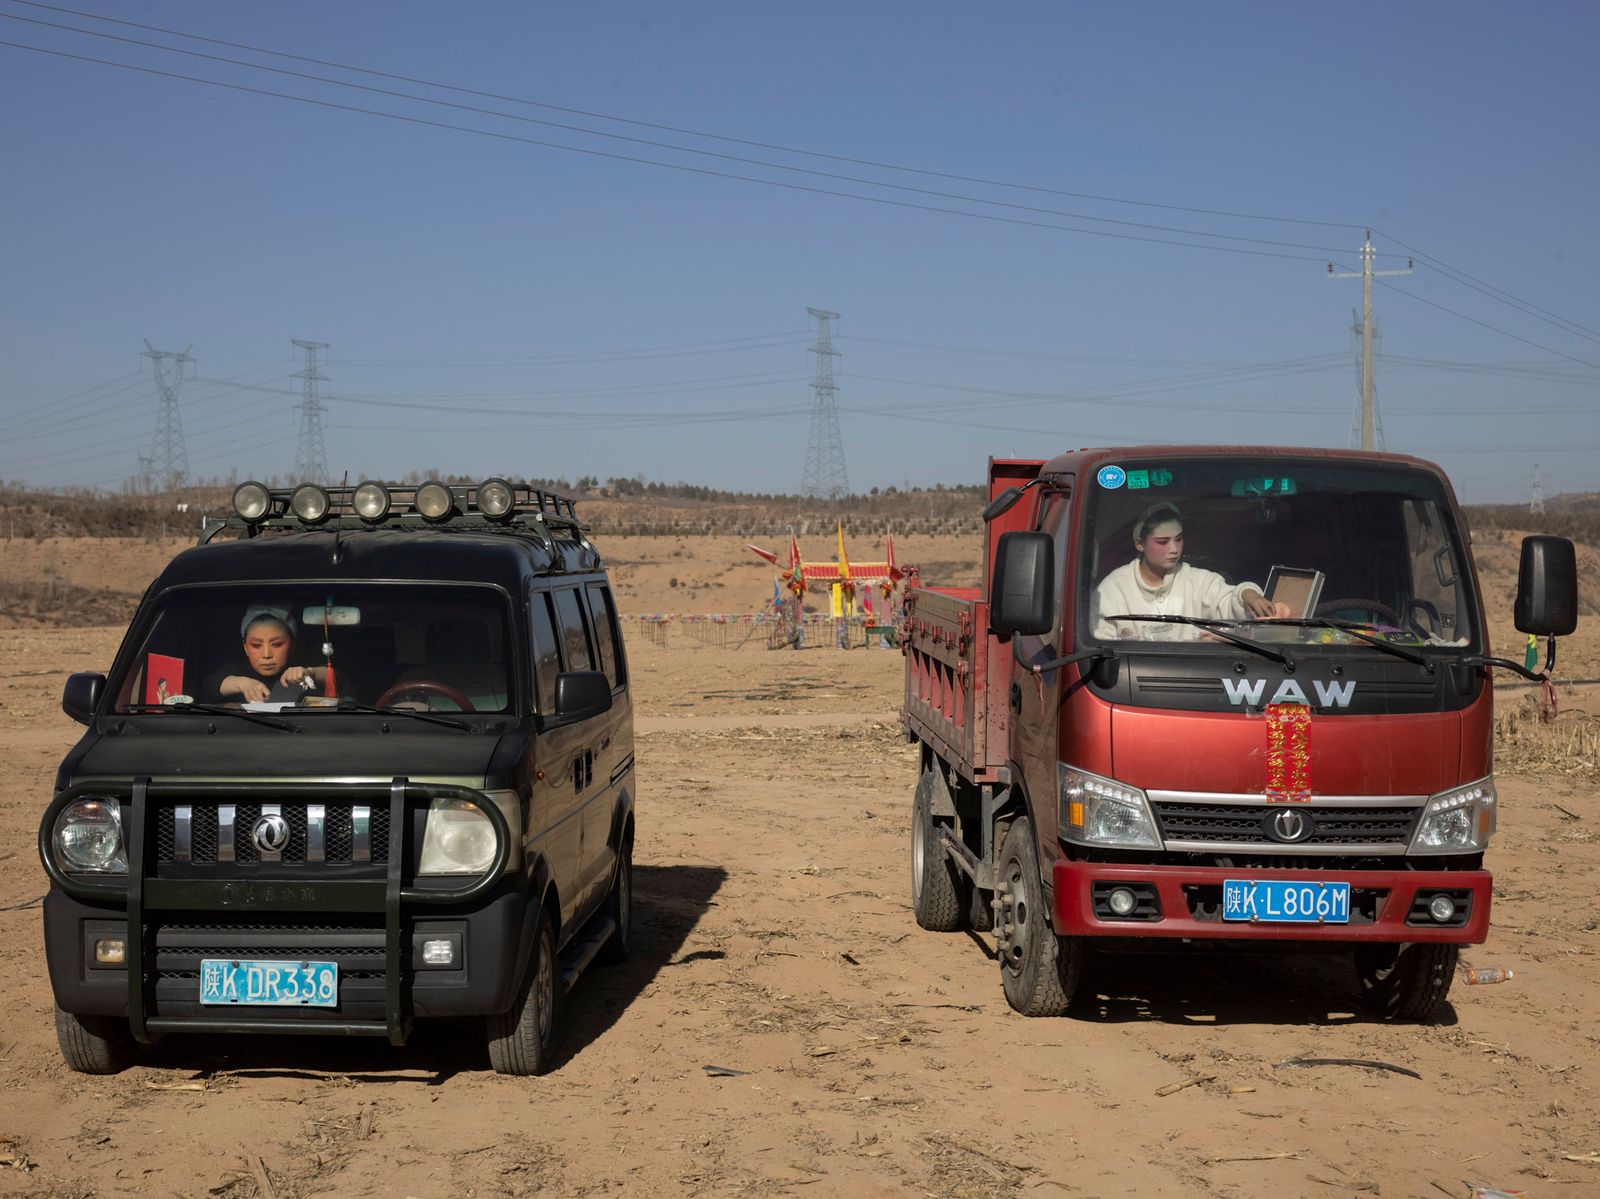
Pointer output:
497, 499
252, 501
310, 504
434, 501
371, 501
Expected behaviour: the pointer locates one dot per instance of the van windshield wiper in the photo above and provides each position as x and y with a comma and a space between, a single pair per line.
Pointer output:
348, 705
1218, 627
1354, 629
216, 710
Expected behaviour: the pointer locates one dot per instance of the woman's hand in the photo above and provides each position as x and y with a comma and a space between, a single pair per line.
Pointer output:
251, 691
1257, 606
305, 676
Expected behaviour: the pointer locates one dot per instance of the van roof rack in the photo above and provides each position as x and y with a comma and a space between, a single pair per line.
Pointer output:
497, 505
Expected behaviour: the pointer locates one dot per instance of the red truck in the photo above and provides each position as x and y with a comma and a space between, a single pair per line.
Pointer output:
1231, 696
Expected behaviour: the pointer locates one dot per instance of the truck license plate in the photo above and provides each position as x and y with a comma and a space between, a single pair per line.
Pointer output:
269, 984
1276, 902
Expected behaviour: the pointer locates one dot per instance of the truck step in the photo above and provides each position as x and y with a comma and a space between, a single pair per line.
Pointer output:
578, 956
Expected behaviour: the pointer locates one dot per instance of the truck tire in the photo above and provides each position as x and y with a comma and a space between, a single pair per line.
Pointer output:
521, 1040
1038, 970
937, 895
619, 907
1406, 982
94, 1044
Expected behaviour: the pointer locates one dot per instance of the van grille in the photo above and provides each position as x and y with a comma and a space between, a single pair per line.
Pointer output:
339, 841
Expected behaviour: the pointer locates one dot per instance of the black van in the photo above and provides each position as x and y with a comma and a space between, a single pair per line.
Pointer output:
365, 757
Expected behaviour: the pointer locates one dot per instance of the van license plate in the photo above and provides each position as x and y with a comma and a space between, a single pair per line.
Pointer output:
1274, 902
269, 984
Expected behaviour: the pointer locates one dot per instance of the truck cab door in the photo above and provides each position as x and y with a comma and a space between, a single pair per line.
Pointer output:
1036, 700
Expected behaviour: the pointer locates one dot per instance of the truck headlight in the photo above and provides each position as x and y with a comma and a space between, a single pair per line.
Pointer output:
458, 838
88, 837
1457, 821
1104, 812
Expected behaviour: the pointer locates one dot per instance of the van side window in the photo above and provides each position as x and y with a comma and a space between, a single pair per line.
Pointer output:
574, 637
603, 619
546, 656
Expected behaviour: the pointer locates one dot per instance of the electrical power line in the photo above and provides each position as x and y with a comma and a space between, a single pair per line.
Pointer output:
991, 217
866, 162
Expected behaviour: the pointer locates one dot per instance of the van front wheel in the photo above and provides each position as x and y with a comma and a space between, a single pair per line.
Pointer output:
94, 1044
521, 1041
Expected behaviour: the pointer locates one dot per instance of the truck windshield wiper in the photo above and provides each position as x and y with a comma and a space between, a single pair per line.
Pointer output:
216, 710
346, 705
1219, 627
1354, 629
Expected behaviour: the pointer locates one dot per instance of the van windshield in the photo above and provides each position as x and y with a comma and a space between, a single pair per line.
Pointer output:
417, 646
1284, 551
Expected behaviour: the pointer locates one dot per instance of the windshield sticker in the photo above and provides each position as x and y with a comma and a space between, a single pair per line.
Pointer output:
1138, 479
1112, 477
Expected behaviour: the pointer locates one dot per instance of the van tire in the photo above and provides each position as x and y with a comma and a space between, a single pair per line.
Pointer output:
94, 1044
1406, 982
1039, 971
619, 908
937, 895
521, 1041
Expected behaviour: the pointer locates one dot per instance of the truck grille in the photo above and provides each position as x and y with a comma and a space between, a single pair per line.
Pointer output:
1248, 824
217, 832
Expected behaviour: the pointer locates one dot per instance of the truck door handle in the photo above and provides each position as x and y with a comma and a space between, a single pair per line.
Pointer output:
1016, 697
582, 771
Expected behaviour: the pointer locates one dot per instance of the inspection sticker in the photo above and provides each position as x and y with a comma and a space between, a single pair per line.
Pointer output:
1111, 476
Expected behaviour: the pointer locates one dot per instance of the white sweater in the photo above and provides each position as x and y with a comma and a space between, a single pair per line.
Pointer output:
1187, 591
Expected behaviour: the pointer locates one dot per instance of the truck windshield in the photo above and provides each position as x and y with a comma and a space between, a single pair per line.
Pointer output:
1286, 551
270, 647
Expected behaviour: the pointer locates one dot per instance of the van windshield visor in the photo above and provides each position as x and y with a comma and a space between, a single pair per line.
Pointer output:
333, 649
1296, 553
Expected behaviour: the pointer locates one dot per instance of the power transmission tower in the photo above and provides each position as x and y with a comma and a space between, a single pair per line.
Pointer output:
311, 458
1377, 412
1366, 274
824, 477
167, 467
1536, 508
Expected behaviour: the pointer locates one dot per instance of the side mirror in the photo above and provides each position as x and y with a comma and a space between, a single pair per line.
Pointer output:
1002, 503
1023, 585
581, 694
1547, 587
81, 695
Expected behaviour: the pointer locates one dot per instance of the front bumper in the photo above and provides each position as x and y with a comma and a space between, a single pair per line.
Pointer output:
370, 927
1187, 904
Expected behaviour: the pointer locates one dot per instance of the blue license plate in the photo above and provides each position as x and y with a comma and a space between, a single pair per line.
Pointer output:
269, 984
1275, 902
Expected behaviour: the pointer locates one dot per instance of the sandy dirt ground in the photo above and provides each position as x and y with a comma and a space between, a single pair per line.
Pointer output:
774, 937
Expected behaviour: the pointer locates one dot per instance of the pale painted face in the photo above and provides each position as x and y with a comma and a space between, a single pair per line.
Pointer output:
1162, 548
266, 645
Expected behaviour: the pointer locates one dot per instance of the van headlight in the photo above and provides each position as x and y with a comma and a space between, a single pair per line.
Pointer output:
458, 838
1101, 811
88, 837
1460, 820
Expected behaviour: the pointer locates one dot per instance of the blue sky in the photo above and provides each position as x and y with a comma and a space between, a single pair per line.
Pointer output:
493, 306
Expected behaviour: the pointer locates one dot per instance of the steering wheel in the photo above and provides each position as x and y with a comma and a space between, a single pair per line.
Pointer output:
1329, 607
425, 687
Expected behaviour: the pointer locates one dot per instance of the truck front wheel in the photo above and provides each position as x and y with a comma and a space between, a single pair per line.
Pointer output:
1406, 982
936, 892
1038, 970
94, 1044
